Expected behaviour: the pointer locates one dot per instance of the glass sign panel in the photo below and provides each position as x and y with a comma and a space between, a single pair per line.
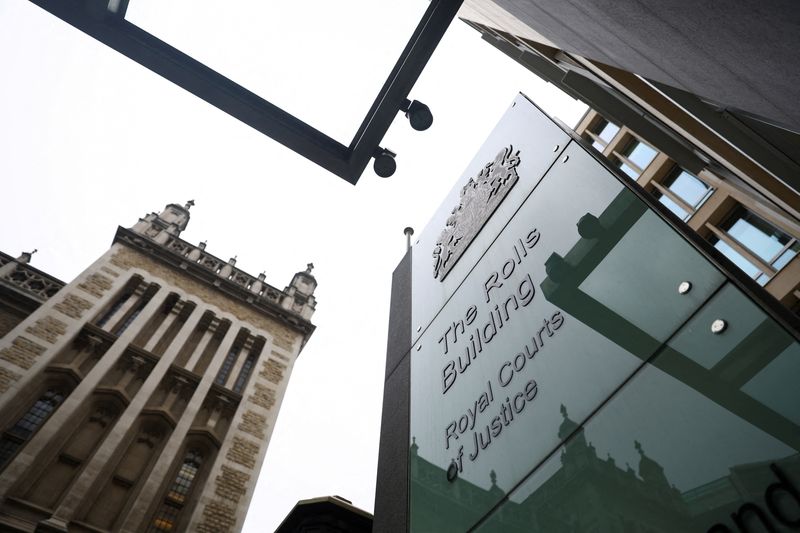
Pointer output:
467, 223
574, 294
586, 368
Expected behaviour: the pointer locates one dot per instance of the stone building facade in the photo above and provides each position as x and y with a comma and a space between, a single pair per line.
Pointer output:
142, 395
23, 289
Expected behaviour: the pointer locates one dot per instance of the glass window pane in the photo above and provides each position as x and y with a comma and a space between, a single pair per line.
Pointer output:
608, 131
628, 170
786, 256
749, 268
688, 187
672, 206
758, 235
640, 154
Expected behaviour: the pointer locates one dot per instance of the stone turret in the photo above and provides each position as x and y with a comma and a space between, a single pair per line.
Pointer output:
300, 293
169, 223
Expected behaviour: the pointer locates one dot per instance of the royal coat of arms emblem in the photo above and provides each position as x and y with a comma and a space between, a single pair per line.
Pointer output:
478, 200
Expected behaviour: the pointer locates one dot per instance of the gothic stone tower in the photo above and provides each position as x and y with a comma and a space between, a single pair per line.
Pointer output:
142, 395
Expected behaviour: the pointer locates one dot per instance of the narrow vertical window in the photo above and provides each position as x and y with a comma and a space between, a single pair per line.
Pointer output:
247, 369
227, 365
167, 515
114, 309
131, 316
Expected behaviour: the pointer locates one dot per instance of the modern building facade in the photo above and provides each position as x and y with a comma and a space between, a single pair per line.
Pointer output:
712, 88
142, 395
756, 235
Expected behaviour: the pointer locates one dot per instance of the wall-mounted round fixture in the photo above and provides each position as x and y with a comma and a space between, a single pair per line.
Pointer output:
418, 114
384, 164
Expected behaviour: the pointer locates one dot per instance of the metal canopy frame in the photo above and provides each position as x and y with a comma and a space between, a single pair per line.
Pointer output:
105, 21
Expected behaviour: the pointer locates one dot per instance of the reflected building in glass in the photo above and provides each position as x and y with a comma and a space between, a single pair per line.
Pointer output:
142, 395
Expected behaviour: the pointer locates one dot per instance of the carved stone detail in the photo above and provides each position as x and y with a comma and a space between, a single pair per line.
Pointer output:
243, 452
73, 306
262, 396
33, 282
272, 371
48, 329
253, 423
283, 337
7, 377
96, 284
479, 199
22, 352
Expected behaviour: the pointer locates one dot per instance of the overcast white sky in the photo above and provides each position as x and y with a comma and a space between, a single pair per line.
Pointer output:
90, 140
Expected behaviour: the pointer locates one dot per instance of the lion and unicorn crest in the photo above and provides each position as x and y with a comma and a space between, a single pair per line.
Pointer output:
478, 199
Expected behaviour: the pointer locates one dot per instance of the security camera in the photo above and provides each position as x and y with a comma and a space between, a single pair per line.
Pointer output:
384, 164
418, 114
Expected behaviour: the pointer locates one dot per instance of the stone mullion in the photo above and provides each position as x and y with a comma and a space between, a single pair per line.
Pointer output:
144, 316
102, 456
162, 328
783, 285
207, 337
144, 504
618, 142
80, 395
186, 330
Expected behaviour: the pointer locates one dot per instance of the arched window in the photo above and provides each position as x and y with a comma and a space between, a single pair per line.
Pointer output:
166, 517
28, 424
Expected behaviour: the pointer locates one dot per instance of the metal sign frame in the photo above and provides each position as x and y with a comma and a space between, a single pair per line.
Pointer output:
105, 21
